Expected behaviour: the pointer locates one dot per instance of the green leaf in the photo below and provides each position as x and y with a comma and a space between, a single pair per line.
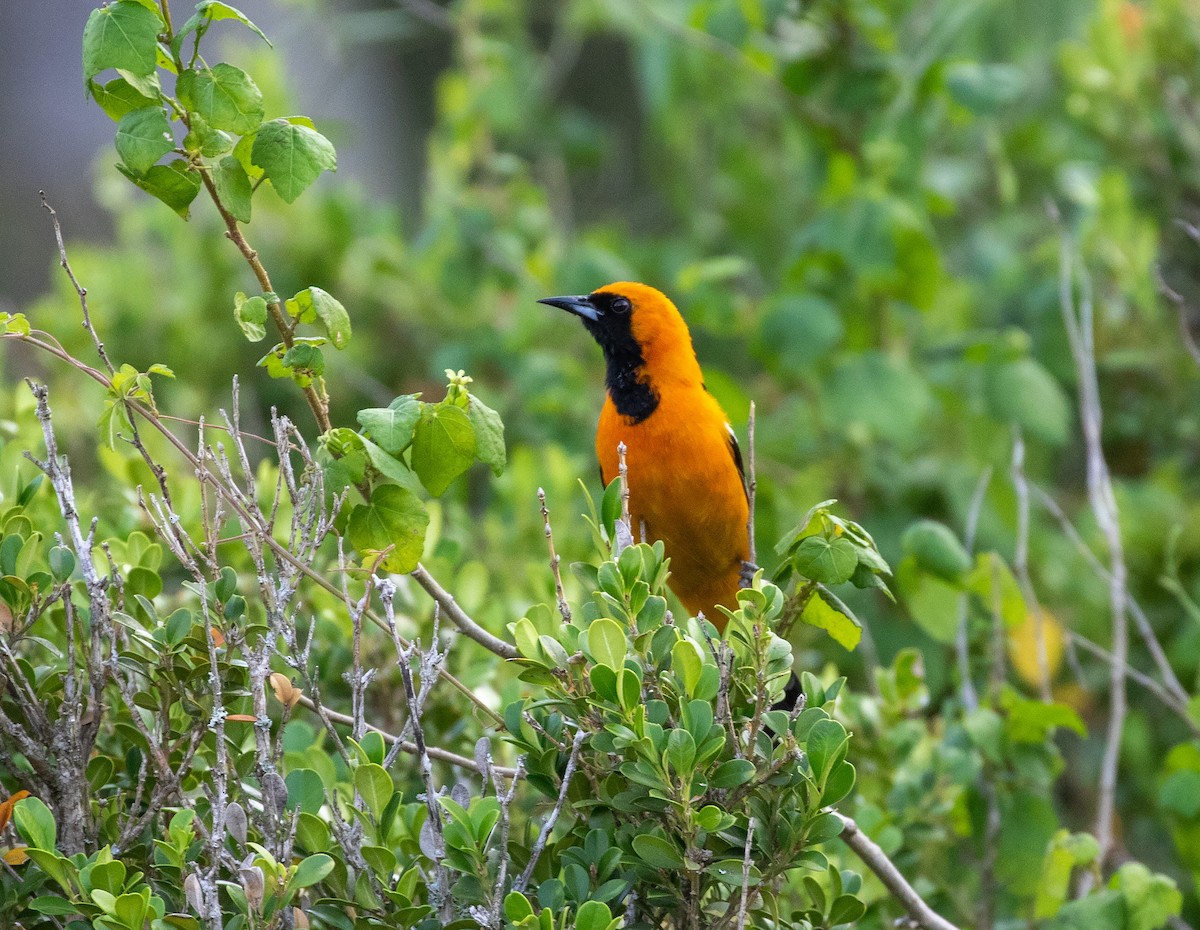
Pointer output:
593, 915
120, 35
305, 362
251, 315
517, 907
936, 550
393, 519
392, 427
932, 603
829, 561
443, 446
207, 12
35, 823
1025, 393
203, 140
996, 588
305, 790
1066, 851
292, 156
732, 773
118, 97
313, 304
606, 643
174, 184
687, 663
375, 785
984, 88
825, 746
657, 852
844, 628
233, 187
62, 562
224, 95
311, 870
1180, 793
143, 137
489, 435
1151, 899
52, 904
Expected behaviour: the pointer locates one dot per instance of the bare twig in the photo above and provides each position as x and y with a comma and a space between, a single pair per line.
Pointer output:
461, 619
1141, 621
1185, 329
744, 901
970, 697
1078, 320
79, 288
564, 609
878, 862
534, 854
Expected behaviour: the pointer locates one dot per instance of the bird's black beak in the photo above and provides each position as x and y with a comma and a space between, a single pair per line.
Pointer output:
580, 306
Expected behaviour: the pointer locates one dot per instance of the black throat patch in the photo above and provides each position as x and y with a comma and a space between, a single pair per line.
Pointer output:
624, 363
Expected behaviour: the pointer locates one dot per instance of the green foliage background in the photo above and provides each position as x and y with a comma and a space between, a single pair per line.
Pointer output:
849, 202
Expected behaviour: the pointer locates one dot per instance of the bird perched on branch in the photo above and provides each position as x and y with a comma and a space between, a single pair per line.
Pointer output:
686, 480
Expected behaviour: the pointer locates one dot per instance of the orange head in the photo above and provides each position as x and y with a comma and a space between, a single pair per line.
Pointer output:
645, 341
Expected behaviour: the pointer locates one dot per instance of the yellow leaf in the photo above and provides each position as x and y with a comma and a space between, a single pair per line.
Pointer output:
16, 856
1023, 648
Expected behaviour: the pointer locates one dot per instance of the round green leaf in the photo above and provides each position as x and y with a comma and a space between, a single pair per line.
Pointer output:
606, 643
311, 870
829, 561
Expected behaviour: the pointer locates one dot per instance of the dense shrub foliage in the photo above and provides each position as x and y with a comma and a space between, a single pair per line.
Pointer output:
281, 640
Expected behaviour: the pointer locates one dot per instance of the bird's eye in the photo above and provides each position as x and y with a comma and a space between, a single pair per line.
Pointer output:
621, 305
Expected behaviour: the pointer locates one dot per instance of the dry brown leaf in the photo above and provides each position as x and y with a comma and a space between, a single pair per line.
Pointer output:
286, 693
242, 718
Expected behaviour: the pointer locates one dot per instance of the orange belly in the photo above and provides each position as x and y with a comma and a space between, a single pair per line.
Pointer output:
684, 489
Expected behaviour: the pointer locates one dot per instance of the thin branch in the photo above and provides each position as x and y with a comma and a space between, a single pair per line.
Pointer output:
459, 617
534, 854
1141, 621
1181, 308
878, 862
741, 922
564, 609
79, 288
1078, 319
970, 697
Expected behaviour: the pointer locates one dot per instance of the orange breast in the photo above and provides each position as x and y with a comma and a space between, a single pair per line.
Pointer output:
684, 489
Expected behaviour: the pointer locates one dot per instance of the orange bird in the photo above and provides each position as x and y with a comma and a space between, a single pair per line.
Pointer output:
686, 481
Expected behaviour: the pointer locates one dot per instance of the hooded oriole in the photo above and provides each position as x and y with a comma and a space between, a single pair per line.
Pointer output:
686, 481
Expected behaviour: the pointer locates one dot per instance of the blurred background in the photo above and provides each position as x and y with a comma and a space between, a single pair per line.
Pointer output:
854, 205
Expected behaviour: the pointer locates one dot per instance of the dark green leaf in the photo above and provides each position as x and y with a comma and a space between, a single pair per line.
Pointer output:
174, 184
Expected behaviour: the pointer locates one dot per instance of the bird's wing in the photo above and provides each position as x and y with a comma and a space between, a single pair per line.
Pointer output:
736, 452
